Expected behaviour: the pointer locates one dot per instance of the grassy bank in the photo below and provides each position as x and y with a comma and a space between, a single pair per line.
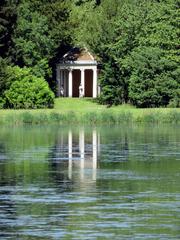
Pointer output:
85, 111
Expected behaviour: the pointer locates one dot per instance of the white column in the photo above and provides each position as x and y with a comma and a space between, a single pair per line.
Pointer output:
58, 81
66, 80
81, 147
83, 81
70, 154
98, 84
99, 142
70, 91
64, 83
95, 82
99, 90
61, 79
94, 154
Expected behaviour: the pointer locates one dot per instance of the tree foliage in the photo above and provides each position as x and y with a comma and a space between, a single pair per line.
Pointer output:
7, 22
38, 33
146, 50
137, 43
154, 79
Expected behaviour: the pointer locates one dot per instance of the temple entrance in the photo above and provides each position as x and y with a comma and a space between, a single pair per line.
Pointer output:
76, 81
88, 83
76, 75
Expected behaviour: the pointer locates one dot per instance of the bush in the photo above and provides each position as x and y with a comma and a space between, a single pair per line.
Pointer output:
29, 92
20, 88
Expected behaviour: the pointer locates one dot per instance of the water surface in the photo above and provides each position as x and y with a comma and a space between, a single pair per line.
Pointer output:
90, 183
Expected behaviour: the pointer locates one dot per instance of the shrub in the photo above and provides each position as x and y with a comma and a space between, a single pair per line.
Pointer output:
29, 92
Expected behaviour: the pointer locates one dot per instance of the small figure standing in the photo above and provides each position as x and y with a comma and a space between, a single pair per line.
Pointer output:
62, 91
80, 91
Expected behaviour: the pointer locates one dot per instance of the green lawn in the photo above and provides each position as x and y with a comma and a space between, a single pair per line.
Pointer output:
75, 110
76, 104
88, 105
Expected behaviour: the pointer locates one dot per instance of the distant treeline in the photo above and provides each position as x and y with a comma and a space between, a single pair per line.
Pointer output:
136, 42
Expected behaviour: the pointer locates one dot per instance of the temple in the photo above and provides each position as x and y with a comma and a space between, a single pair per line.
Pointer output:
76, 74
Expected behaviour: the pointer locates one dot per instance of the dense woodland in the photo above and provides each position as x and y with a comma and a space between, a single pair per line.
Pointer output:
136, 42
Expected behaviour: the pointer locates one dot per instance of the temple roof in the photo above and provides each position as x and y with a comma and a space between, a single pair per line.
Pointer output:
77, 54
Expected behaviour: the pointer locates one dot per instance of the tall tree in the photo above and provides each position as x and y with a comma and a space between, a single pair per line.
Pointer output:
41, 29
141, 28
7, 22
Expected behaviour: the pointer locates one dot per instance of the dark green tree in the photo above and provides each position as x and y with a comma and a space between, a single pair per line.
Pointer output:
127, 24
154, 79
7, 22
143, 26
31, 39
42, 31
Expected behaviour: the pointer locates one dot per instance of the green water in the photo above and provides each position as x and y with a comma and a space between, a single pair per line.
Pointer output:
90, 183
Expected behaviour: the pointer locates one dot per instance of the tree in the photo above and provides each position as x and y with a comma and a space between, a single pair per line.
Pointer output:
42, 30
4, 83
127, 24
7, 22
31, 39
128, 37
143, 26
154, 79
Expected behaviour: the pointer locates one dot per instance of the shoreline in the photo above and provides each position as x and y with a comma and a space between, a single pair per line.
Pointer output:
110, 117
85, 111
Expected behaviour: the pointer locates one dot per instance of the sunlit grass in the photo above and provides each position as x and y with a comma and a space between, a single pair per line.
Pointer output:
76, 104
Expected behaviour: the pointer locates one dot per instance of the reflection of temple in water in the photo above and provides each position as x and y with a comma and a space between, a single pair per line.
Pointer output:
75, 154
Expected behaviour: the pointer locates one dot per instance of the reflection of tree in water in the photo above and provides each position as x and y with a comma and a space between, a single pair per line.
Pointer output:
7, 212
5, 176
125, 148
58, 163
115, 155
7, 206
116, 152
2, 152
2, 158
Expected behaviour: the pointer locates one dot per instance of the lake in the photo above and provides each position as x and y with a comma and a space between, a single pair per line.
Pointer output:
83, 182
